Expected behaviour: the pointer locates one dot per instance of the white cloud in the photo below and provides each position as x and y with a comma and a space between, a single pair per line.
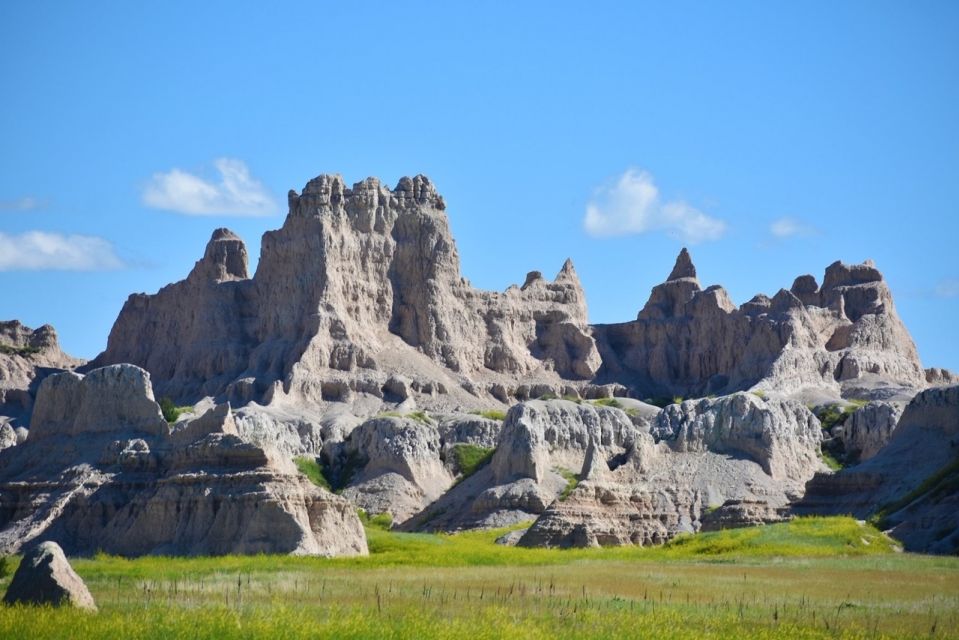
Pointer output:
237, 192
26, 203
40, 250
791, 228
948, 288
632, 205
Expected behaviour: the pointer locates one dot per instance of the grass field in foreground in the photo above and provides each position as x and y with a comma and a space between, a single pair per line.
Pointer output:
815, 578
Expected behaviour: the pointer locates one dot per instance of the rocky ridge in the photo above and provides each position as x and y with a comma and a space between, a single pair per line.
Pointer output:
910, 485
359, 299
102, 470
27, 356
358, 293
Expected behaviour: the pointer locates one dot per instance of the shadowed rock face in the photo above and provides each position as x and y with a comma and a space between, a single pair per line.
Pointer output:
690, 341
102, 470
356, 284
912, 481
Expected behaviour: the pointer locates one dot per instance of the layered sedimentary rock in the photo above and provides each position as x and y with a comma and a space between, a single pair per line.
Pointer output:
400, 464
357, 285
910, 484
692, 341
102, 470
737, 450
27, 356
541, 446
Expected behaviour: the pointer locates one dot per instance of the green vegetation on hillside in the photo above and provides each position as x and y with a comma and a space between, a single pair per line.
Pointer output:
311, 469
470, 457
491, 414
171, 412
572, 481
943, 482
419, 416
607, 402
25, 352
809, 578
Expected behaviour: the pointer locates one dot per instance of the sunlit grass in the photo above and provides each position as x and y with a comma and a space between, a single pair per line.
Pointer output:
810, 578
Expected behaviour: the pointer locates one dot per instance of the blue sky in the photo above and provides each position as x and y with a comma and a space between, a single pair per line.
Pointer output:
773, 138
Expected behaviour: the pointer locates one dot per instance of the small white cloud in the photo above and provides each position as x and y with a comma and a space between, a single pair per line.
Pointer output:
40, 250
948, 288
236, 193
791, 228
26, 203
632, 205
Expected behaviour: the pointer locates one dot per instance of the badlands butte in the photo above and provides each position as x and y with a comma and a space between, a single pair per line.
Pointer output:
359, 349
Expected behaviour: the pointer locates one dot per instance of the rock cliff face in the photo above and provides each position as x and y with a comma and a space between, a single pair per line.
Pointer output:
910, 485
27, 356
358, 284
102, 470
742, 455
690, 341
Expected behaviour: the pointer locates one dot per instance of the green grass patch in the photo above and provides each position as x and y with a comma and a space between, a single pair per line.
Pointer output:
171, 412
491, 414
607, 402
419, 416
309, 467
469, 458
809, 578
24, 352
380, 522
572, 481
835, 414
830, 461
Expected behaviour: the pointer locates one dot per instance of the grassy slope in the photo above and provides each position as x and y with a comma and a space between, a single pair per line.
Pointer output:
808, 578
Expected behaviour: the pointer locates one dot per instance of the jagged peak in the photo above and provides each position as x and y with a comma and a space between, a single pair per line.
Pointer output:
223, 234
327, 189
225, 258
840, 274
567, 272
532, 277
684, 267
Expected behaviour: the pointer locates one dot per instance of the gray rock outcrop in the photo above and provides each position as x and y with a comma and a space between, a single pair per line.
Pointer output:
45, 577
542, 445
910, 485
102, 470
740, 449
869, 428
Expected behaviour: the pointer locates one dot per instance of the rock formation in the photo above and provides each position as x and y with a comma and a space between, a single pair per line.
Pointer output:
742, 455
910, 485
868, 429
358, 319
102, 470
691, 342
44, 577
358, 285
542, 444
359, 295
27, 356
